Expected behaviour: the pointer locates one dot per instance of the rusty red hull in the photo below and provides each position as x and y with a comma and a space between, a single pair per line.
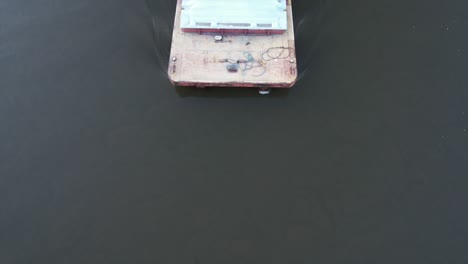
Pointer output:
234, 84
258, 32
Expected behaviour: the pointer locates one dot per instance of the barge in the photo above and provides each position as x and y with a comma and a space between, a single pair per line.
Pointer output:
241, 43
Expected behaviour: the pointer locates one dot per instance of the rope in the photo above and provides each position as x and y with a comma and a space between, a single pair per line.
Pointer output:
279, 54
249, 64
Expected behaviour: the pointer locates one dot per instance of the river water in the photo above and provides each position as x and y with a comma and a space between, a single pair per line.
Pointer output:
363, 161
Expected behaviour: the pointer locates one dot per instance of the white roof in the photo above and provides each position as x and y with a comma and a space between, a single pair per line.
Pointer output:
234, 14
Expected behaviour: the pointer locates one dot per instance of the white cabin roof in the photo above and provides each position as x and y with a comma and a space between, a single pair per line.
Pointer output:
234, 14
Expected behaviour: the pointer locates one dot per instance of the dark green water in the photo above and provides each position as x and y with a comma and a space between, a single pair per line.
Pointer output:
363, 161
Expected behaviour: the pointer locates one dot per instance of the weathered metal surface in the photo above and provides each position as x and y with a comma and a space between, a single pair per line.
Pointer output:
261, 61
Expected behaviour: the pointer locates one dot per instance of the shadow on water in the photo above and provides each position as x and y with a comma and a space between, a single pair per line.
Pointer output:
225, 92
309, 16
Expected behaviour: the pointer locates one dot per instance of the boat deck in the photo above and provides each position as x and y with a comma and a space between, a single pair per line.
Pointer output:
238, 60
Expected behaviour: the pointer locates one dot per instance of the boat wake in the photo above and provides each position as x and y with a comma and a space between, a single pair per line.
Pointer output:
309, 18
162, 13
